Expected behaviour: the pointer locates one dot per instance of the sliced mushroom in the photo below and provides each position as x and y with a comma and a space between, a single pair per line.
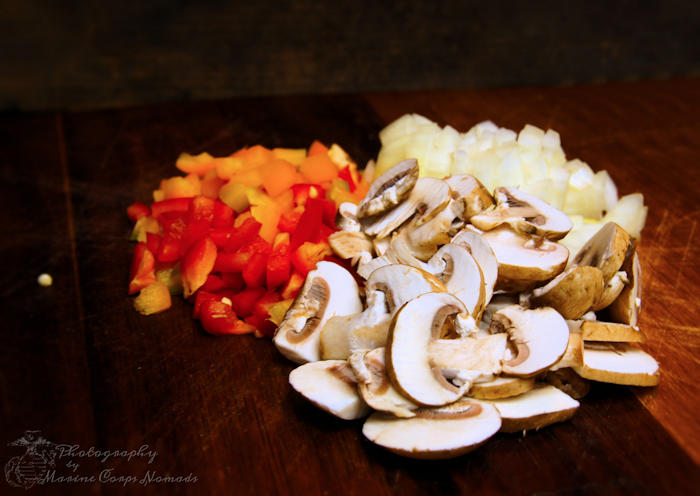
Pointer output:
618, 363
329, 290
424, 239
611, 332
381, 245
435, 433
387, 289
468, 360
612, 289
626, 307
347, 217
523, 263
573, 356
389, 189
501, 387
606, 250
331, 386
539, 338
428, 197
542, 406
484, 256
498, 302
349, 244
367, 264
469, 191
374, 385
567, 381
572, 293
400, 251
455, 267
525, 213
417, 323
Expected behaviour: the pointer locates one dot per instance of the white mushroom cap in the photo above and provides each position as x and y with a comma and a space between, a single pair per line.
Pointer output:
455, 267
331, 386
537, 408
435, 433
484, 256
401, 283
525, 213
539, 336
522, 262
606, 250
329, 290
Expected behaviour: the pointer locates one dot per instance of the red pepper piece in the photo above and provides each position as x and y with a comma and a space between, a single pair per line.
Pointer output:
213, 284
305, 258
195, 230
262, 306
201, 209
143, 269
153, 242
305, 191
244, 301
200, 298
309, 224
279, 263
219, 319
346, 175
289, 220
137, 210
169, 248
223, 216
263, 326
196, 265
233, 280
236, 262
179, 205
329, 212
220, 236
254, 271
243, 234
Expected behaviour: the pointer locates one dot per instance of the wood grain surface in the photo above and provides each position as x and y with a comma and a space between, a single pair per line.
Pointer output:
79, 365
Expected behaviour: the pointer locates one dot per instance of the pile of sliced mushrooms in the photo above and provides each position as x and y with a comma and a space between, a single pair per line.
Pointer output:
472, 318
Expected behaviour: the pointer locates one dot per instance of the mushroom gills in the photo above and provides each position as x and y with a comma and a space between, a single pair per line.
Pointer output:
331, 386
389, 189
435, 433
542, 406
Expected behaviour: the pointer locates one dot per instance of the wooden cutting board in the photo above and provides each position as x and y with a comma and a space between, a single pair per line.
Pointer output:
80, 366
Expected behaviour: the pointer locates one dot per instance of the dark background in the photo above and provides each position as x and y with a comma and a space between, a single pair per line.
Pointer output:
91, 54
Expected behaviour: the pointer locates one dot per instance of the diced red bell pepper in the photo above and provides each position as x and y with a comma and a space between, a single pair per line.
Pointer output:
289, 220
213, 284
305, 257
137, 210
236, 262
309, 224
346, 175
219, 319
223, 216
254, 270
143, 269
153, 242
244, 301
233, 280
180, 205
169, 248
195, 230
263, 326
196, 265
303, 192
220, 236
330, 210
295, 282
201, 209
262, 306
243, 234
200, 298
279, 262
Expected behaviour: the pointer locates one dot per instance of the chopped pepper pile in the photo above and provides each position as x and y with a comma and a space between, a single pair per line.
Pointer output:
237, 235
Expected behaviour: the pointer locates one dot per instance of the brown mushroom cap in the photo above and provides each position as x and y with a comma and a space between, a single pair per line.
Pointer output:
606, 250
572, 293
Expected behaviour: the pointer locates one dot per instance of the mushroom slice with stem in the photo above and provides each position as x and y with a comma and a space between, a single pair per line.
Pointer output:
428, 197
469, 191
618, 363
349, 244
501, 387
596, 330
497, 302
389, 189
484, 256
542, 406
331, 386
435, 433
611, 290
572, 293
606, 250
347, 217
374, 385
539, 338
455, 267
329, 290
387, 289
525, 213
424, 239
468, 360
626, 307
523, 262
417, 323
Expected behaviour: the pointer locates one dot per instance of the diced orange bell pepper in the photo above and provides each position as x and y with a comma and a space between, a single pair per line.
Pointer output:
278, 176
257, 155
197, 263
318, 168
305, 258
290, 290
143, 269
294, 156
317, 148
153, 298
228, 166
197, 164
234, 195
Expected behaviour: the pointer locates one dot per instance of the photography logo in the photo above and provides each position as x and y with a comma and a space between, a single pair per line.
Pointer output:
30, 468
